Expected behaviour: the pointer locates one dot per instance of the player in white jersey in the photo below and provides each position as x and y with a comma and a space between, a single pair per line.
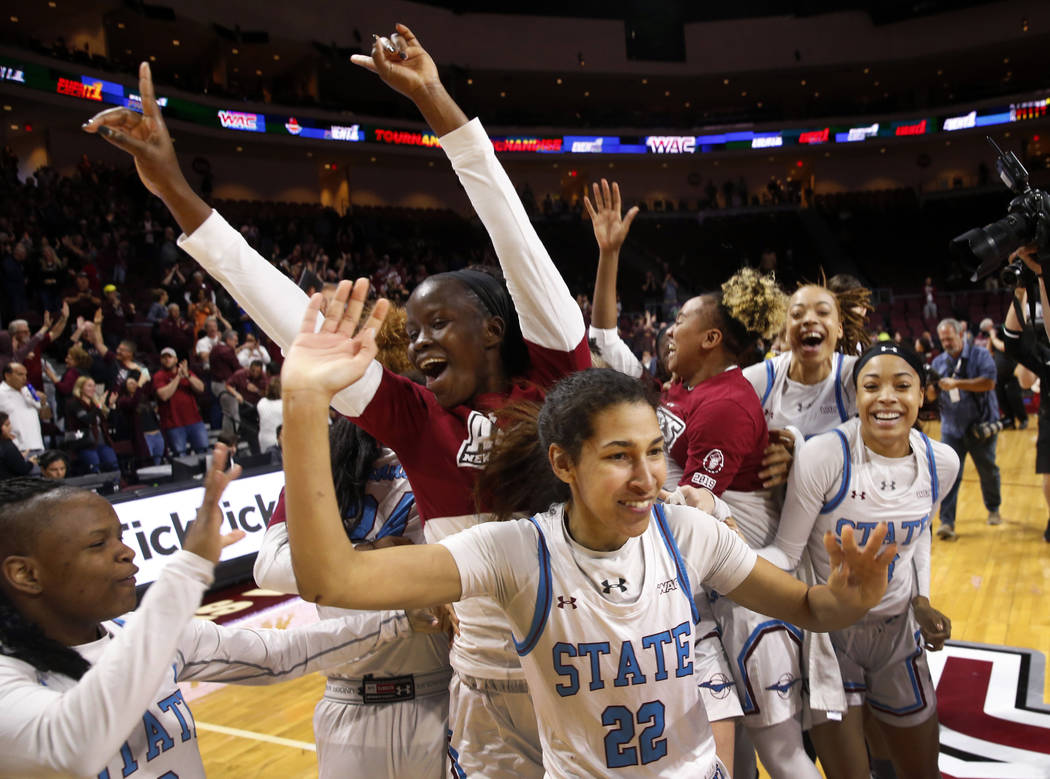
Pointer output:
84, 692
811, 387
388, 714
607, 696
873, 469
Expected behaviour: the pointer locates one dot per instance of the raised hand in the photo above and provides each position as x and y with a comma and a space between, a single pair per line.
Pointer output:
859, 576
610, 228
144, 136
402, 63
333, 358
203, 537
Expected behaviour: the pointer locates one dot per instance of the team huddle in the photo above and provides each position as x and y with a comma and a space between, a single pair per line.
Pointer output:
649, 576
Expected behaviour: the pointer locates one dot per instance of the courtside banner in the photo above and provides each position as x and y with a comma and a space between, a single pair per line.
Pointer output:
155, 526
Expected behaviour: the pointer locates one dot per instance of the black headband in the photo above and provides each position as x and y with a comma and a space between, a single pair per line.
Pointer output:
881, 348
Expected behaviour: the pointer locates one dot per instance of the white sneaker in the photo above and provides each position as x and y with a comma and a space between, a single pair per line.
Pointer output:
946, 533
994, 518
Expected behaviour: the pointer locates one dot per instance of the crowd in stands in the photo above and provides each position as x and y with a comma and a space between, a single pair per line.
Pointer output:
127, 354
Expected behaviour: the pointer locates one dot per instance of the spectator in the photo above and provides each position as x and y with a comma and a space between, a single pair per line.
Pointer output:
276, 453
29, 350
223, 365
158, 309
13, 275
82, 303
86, 429
23, 406
78, 363
929, 305
136, 407
250, 351
175, 332
965, 389
180, 418
670, 287
115, 314
54, 464
271, 412
49, 279
208, 341
126, 365
12, 461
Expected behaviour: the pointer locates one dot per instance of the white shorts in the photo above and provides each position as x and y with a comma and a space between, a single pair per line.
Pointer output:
405, 739
492, 729
883, 663
714, 677
764, 655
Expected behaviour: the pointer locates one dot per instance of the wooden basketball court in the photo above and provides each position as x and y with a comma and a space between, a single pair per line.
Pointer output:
992, 582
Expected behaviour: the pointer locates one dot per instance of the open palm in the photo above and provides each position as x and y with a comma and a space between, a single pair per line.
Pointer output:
859, 576
610, 228
336, 355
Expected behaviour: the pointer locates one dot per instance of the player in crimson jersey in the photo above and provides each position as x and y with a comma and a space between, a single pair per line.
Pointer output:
478, 342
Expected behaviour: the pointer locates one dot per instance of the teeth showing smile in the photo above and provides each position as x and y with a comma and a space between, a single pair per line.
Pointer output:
637, 504
432, 366
887, 416
812, 338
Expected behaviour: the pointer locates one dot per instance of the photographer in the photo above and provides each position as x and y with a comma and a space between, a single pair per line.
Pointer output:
965, 389
1031, 350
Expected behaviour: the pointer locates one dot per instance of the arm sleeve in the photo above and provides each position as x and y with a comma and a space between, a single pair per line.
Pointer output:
758, 377
497, 559
248, 656
615, 352
79, 730
921, 561
708, 431
547, 311
1023, 348
271, 299
817, 468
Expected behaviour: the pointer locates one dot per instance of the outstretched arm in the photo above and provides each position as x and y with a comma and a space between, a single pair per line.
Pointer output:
546, 309
327, 568
610, 232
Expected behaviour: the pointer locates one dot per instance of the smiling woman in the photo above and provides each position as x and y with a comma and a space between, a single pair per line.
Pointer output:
876, 468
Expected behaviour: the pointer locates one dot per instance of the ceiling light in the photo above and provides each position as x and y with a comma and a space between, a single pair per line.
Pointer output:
803, 82
667, 93
645, 81
725, 81
470, 81
175, 42
15, 20
744, 93
258, 72
152, 57
120, 25
557, 80
236, 51
502, 93
587, 94
240, 148
276, 57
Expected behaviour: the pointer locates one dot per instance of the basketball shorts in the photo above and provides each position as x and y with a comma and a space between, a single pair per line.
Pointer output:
764, 655
714, 677
884, 664
493, 730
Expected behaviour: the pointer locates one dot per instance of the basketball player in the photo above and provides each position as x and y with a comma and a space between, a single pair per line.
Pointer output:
478, 342
84, 692
810, 387
599, 589
872, 469
715, 432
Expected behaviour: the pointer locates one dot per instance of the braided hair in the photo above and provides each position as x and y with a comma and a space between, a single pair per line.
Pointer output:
23, 502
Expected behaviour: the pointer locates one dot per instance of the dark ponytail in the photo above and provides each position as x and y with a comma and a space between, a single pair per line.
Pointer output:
21, 514
353, 456
517, 477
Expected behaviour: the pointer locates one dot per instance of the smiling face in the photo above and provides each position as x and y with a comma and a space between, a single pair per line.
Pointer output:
814, 326
616, 477
77, 572
889, 396
451, 343
686, 338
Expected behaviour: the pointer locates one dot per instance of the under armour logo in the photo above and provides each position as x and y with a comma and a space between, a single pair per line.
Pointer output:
563, 602
800, 408
863, 495
403, 689
893, 485
621, 585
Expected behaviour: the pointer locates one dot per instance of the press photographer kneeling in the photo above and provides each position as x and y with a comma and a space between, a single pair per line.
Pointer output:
1031, 349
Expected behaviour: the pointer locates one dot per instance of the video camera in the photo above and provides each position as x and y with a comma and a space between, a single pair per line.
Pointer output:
984, 249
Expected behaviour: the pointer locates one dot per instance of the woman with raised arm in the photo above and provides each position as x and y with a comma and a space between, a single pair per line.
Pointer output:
714, 431
479, 343
398, 727
874, 469
86, 692
599, 587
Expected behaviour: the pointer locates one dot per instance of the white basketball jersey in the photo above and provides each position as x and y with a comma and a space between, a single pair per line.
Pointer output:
812, 408
861, 500
585, 657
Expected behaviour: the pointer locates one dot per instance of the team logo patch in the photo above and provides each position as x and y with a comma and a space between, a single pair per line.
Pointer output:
784, 685
670, 426
474, 451
714, 461
719, 685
